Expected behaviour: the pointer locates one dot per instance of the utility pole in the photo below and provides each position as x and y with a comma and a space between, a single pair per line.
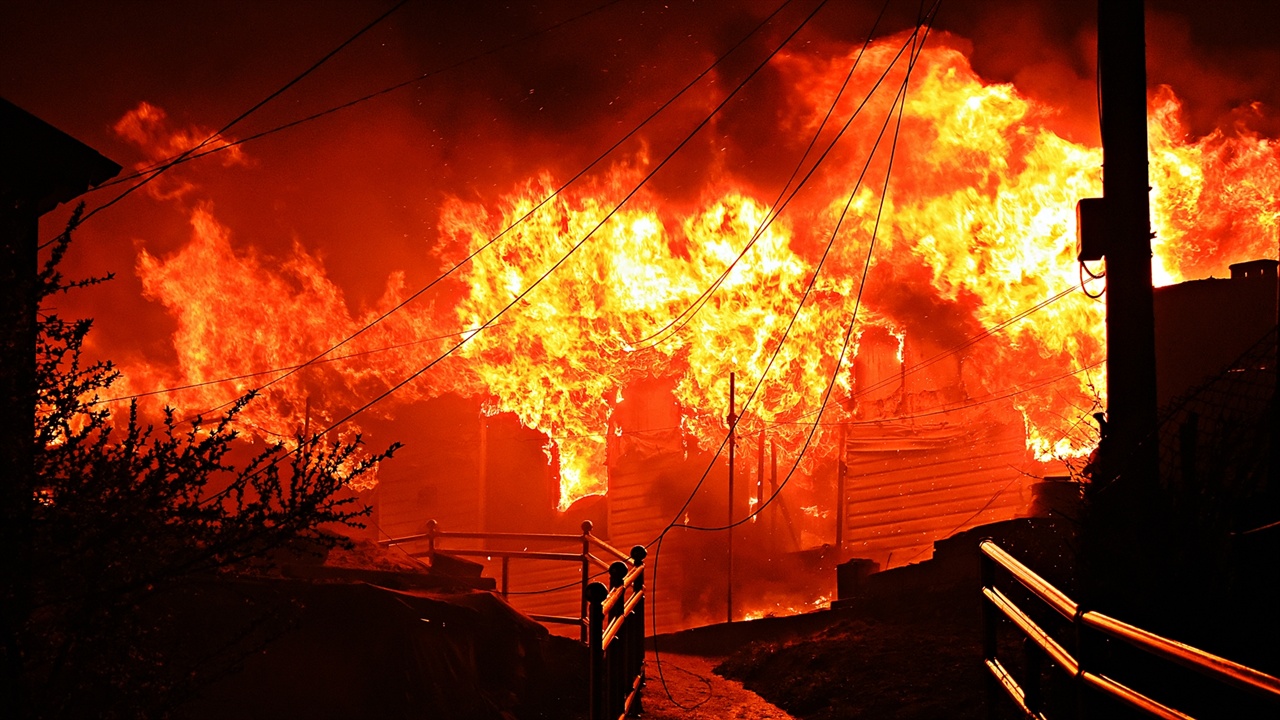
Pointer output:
733, 440
1121, 537
1117, 226
1131, 355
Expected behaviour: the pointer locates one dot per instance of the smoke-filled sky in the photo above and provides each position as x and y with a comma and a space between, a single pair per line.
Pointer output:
363, 189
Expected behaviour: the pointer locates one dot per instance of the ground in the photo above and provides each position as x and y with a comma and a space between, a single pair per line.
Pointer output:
908, 647
827, 666
686, 687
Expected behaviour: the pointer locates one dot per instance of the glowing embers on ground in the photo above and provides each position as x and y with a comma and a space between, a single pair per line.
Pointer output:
977, 229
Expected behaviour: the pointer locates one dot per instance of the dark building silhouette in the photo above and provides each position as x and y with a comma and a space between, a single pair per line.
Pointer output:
1202, 326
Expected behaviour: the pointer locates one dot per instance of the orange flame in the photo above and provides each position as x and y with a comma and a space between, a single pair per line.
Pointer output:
978, 228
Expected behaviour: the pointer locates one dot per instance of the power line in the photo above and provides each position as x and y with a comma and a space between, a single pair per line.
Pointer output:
152, 175
684, 317
989, 332
183, 157
554, 194
673, 523
989, 398
287, 368
589, 234
898, 105
492, 320
706, 472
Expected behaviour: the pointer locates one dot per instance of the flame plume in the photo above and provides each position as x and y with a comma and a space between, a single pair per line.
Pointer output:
978, 228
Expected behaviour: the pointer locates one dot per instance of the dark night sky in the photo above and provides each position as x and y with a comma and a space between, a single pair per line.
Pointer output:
362, 187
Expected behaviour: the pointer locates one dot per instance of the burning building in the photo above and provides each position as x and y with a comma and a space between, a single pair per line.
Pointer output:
912, 338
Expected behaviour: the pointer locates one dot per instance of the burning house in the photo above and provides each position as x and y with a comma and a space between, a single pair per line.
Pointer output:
899, 406
895, 289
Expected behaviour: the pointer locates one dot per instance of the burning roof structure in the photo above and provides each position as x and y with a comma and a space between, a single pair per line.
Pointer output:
877, 239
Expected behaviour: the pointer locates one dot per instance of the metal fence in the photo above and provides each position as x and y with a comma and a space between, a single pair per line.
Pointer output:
1040, 646
610, 617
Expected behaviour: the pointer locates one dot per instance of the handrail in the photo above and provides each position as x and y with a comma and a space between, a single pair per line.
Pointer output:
526, 554
1033, 631
1041, 588
1010, 686
617, 623
559, 537
1132, 697
1028, 699
556, 619
1239, 675
434, 534
609, 617
615, 632
618, 554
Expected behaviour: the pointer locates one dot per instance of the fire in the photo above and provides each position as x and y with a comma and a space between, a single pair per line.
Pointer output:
977, 229
787, 607
228, 306
574, 341
1214, 199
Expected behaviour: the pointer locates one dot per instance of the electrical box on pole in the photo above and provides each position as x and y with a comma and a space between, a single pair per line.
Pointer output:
1091, 229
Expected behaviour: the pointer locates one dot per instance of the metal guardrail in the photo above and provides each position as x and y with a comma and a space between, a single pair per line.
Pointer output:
1040, 645
611, 618
615, 639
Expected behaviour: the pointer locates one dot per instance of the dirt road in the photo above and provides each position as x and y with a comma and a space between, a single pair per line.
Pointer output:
697, 693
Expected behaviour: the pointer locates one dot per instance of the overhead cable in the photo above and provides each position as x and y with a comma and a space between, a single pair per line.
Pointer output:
184, 157
153, 174
542, 203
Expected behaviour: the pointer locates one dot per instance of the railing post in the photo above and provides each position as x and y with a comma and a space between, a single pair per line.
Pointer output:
636, 626
617, 573
616, 661
595, 595
990, 618
586, 576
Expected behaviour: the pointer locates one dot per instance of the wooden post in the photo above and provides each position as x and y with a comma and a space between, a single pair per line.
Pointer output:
773, 489
586, 576
990, 618
760, 471
841, 470
616, 658
617, 573
482, 474
635, 675
733, 437
1087, 647
1131, 355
